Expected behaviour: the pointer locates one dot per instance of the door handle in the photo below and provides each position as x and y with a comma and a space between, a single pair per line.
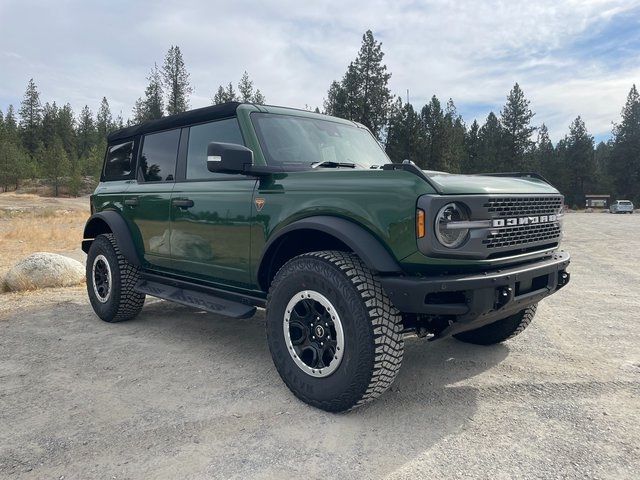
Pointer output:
182, 202
131, 202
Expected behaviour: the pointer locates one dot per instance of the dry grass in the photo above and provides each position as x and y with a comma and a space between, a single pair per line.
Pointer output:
31, 224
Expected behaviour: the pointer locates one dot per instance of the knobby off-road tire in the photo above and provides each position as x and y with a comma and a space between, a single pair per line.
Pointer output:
373, 346
114, 300
501, 330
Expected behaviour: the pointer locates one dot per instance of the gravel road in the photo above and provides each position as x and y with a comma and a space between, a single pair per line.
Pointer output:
178, 393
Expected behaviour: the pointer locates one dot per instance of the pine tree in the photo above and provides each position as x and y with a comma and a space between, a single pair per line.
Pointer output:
579, 162
432, 118
104, 119
490, 137
151, 107
176, 81
85, 133
49, 124
10, 123
454, 136
259, 98
335, 103
14, 162
363, 94
544, 160
516, 122
30, 117
245, 88
55, 164
246, 92
224, 95
602, 157
625, 154
65, 128
471, 162
405, 138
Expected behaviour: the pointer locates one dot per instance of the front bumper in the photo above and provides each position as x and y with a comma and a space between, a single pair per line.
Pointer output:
474, 300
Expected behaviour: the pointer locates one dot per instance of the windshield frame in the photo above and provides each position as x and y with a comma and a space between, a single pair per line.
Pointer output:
304, 166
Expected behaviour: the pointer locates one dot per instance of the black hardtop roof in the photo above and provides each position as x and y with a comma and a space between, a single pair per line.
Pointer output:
189, 117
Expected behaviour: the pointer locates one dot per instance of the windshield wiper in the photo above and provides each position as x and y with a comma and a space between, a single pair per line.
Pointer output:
332, 164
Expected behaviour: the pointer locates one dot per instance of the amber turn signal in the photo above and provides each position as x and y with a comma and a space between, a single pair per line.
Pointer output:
420, 225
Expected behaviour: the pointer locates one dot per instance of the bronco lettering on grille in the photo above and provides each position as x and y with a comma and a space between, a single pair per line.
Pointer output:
517, 221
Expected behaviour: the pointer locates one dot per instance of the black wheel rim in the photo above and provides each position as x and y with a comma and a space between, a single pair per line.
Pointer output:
102, 279
313, 332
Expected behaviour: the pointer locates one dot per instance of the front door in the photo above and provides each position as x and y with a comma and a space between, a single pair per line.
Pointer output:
210, 212
147, 202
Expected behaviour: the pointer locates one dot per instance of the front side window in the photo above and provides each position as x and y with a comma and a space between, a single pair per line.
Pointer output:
119, 161
158, 157
226, 131
292, 141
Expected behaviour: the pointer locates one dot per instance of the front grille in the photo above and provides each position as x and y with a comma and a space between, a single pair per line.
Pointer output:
523, 236
522, 206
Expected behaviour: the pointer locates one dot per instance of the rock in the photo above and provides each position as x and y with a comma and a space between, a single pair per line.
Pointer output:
42, 270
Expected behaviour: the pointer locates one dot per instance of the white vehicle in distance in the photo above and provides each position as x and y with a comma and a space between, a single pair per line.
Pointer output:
621, 206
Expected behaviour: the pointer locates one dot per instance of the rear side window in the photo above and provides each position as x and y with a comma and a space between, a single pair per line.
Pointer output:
119, 161
227, 131
158, 157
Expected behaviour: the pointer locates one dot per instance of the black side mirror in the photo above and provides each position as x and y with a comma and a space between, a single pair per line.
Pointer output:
229, 158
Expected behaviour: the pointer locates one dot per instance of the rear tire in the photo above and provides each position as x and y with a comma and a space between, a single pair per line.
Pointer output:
336, 291
111, 281
501, 330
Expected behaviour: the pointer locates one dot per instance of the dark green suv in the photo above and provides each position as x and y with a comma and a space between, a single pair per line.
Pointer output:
238, 206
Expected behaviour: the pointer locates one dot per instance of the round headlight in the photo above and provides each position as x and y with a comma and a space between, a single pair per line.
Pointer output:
448, 233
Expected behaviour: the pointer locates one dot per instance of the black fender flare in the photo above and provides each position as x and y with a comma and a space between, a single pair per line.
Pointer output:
357, 238
118, 226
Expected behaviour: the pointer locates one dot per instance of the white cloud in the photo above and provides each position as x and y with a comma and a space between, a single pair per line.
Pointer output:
78, 51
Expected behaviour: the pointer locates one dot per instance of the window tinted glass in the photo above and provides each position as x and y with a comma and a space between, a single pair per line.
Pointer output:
158, 158
119, 161
227, 131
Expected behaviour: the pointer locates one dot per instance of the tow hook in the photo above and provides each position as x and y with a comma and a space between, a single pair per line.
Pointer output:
563, 279
503, 296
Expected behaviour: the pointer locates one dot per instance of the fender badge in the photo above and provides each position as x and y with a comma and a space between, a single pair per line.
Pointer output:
259, 203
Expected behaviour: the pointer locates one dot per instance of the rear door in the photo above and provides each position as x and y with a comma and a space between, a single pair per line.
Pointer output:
147, 202
210, 213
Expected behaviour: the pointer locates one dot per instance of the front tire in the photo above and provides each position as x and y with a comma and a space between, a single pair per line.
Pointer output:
111, 281
501, 330
355, 354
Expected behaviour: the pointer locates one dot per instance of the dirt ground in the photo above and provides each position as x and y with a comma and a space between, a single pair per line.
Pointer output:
178, 393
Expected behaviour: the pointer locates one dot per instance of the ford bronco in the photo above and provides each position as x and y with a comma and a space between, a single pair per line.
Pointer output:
235, 207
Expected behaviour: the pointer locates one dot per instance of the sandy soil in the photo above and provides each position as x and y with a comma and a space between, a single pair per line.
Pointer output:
178, 393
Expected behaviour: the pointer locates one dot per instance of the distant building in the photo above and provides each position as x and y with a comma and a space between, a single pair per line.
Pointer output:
597, 201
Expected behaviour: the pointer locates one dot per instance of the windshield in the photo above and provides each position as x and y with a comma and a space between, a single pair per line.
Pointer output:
299, 142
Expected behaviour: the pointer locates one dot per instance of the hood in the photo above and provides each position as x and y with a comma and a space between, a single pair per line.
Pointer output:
451, 184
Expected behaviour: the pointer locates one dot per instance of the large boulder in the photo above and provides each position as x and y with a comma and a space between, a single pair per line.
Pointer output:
42, 270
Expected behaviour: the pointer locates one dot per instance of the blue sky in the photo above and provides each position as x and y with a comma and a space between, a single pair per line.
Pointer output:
570, 57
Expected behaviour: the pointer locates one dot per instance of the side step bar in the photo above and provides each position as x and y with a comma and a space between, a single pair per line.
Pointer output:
196, 299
